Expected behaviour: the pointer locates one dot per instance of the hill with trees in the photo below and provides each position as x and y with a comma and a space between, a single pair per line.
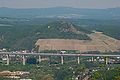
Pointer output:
18, 36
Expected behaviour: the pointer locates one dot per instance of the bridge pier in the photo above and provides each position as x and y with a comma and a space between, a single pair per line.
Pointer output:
78, 59
106, 61
62, 60
23, 60
8, 60
39, 59
92, 59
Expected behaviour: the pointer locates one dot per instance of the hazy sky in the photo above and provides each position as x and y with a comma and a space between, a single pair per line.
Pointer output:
60, 3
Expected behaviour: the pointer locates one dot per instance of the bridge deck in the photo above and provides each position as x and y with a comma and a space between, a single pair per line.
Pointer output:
56, 54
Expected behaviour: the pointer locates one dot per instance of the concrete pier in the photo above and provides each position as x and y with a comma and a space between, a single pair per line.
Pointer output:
78, 59
39, 59
62, 60
106, 61
92, 59
23, 60
8, 60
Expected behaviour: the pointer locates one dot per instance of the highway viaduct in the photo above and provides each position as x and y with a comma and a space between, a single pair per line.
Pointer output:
56, 54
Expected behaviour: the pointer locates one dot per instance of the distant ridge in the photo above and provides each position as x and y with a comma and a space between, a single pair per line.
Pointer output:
61, 12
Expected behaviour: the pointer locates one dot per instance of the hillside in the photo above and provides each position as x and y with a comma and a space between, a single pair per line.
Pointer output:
108, 27
20, 36
62, 29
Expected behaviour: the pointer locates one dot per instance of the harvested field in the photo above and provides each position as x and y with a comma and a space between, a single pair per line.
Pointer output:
99, 42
